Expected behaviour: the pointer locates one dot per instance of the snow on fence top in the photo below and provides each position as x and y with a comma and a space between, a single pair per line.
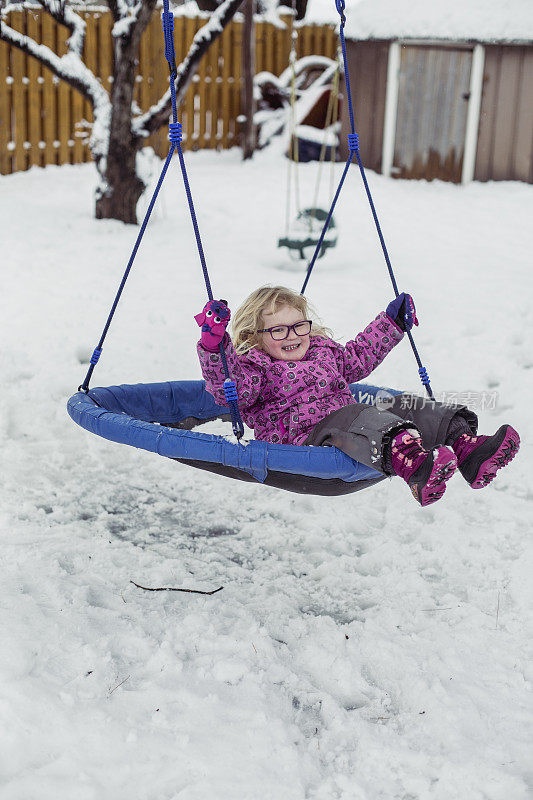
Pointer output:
478, 20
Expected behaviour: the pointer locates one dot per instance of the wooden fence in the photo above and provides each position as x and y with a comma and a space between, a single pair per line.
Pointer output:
41, 118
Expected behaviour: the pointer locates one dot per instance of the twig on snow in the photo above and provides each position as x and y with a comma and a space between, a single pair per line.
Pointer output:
172, 589
119, 684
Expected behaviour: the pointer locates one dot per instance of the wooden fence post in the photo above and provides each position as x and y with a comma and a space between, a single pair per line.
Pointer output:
5, 111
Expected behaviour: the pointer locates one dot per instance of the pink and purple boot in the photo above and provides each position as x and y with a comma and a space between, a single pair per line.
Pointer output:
426, 472
480, 457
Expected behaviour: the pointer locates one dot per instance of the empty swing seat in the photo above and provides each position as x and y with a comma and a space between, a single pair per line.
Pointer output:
305, 231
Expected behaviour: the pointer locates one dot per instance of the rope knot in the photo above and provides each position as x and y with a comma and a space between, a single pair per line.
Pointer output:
175, 132
96, 355
230, 391
424, 377
353, 142
168, 34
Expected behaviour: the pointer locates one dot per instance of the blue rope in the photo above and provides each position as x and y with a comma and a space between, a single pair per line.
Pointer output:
175, 137
326, 225
353, 144
195, 223
98, 350
168, 33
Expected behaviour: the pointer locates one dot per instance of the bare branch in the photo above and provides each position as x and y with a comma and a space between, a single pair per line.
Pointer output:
172, 589
158, 115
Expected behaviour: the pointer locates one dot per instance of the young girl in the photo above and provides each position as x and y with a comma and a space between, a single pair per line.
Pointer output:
293, 385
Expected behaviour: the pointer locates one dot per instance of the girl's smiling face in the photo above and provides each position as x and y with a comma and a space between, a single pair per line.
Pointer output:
294, 347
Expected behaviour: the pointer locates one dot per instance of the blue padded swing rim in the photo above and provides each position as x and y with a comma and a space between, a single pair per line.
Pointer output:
137, 415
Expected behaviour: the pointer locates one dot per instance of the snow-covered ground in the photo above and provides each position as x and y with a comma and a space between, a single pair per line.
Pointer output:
362, 648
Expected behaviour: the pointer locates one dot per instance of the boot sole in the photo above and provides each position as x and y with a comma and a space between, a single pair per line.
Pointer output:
509, 444
429, 488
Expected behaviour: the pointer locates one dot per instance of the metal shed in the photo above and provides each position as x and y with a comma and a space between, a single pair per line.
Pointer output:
448, 98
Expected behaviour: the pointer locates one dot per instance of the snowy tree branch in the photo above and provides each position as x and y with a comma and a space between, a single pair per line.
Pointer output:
69, 68
158, 115
132, 24
65, 15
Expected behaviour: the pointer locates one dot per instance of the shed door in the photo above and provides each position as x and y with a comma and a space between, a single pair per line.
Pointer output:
433, 98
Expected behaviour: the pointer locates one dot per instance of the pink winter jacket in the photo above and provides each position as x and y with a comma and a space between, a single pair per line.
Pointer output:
284, 400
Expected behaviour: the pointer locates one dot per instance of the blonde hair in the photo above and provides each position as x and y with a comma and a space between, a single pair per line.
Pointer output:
248, 318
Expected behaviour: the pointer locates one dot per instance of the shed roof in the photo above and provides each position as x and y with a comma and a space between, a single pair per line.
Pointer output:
477, 20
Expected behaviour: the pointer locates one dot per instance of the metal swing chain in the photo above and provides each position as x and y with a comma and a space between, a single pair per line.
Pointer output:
175, 137
353, 144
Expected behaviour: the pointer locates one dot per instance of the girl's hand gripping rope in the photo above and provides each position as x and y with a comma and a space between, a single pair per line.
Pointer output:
402, 311
213, 321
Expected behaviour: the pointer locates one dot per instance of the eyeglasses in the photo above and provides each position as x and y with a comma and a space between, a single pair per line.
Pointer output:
280, 332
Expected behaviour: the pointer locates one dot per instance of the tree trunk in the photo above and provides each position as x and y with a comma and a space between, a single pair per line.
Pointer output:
300, 7
121, 187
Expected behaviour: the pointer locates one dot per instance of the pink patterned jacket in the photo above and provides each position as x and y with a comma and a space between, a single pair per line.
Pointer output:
284, 400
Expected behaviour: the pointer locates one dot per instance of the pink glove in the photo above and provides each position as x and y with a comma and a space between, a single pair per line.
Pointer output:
213, 321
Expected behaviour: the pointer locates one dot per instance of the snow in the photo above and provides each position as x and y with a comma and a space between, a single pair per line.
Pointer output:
323, 136
479, 20
123, 25
189, 9
363, 648
324, 12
